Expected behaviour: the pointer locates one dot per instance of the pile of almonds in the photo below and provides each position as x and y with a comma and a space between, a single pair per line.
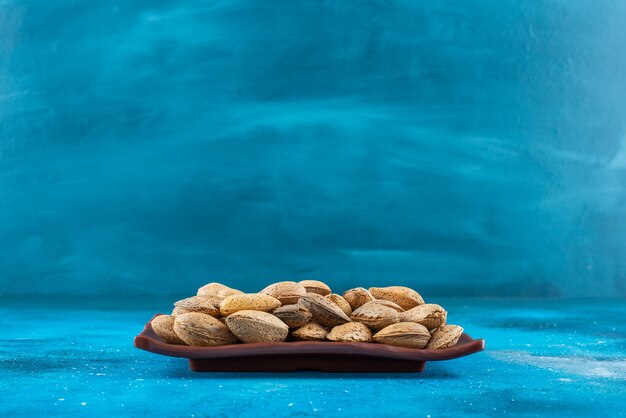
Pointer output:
307, 311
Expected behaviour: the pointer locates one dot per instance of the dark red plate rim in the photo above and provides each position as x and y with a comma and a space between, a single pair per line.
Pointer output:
148, 340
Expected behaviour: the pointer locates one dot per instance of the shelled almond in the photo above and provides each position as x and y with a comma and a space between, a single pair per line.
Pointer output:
196, 328
248, 302
323, 310
294, 315
196, 304
357, 297
375, 316
163, 326
311, 331
257, 327
307, 311
341, 302
350, 332
286, 292
430, 315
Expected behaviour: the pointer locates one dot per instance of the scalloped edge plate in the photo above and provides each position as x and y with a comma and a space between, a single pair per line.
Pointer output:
306, 355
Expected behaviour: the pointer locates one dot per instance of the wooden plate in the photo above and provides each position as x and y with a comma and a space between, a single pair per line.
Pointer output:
305, 355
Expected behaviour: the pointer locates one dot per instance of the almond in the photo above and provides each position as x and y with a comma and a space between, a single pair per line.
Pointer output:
430, 315
315, 286
163, 326
388, 304
405, 297
404, 334
216, 292
324, 311
293, 315
445, 336
351, 332
287, 292
375, 316
200, 329
257, 327
196, 304
311, 331
357, 297
341, 302
249, 301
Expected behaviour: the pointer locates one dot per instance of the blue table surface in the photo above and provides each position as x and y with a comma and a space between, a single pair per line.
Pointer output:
543, 358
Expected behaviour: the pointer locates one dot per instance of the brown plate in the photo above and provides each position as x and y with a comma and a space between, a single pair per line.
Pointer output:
305, 355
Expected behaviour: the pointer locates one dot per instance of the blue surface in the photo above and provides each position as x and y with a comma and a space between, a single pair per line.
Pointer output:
544, 358
464, 148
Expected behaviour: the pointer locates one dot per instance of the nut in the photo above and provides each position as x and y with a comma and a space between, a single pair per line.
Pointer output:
200, 329
196, 304
341, 302
430, 315
250, 301
405, 297
357, 297
324, 311
351, 332
287, 292
388, 304
293, 315
315, 286
311, 331
257, 327
216, 292
307, 311
163, 325
375, 316
404, 334
445, 336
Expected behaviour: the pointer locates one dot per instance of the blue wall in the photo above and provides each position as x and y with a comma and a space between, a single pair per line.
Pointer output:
464, 148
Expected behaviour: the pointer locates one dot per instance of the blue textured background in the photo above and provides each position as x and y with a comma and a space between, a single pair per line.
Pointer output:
465, 148
473, 148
